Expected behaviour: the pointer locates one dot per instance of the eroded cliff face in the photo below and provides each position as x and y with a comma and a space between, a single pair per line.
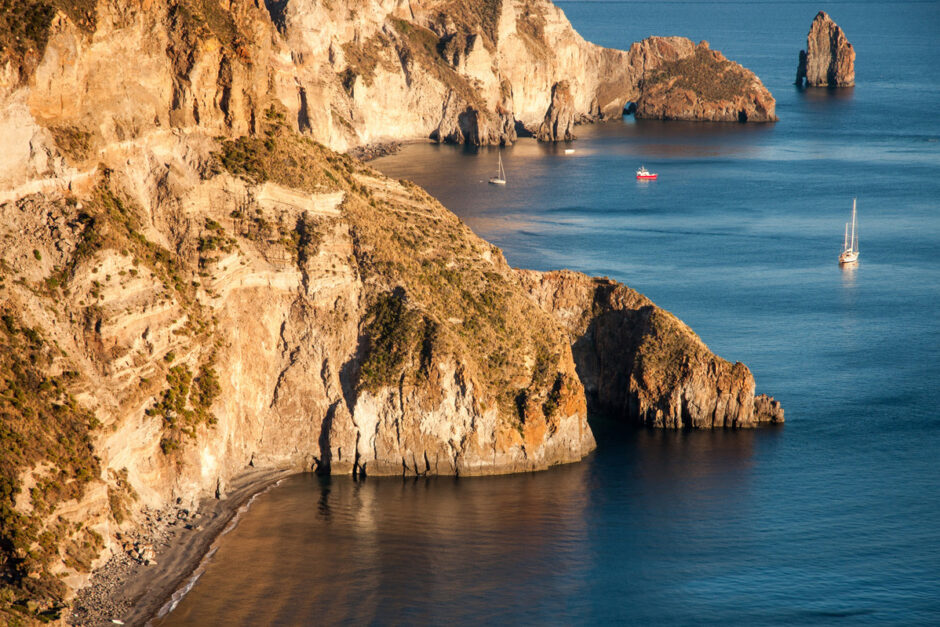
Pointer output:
829, 58
259, 302
97, 73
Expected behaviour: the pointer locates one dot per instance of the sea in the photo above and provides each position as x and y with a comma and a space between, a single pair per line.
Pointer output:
832, 518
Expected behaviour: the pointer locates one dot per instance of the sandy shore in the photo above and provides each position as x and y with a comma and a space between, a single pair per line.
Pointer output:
128, 590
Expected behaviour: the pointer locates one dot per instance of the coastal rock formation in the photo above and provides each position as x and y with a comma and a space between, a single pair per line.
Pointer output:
347, 73
193, 283
559, 120
704, 86
642, 363
829, 58
195, 308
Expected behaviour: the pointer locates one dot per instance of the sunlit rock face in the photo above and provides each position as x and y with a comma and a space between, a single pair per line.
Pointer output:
829, 58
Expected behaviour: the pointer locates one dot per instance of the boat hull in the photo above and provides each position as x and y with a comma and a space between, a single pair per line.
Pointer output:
497, 181
848, 257
646, 177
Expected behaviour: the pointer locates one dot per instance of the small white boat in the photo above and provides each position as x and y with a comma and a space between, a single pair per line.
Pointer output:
500, 178
645, 175
569, 151
849, 252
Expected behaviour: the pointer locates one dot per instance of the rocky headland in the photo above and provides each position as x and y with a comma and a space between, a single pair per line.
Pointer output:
829, 58
704, 86
640, 363
196, 287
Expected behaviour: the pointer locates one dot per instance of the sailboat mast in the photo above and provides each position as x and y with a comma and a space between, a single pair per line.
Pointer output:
845, 238
854, 232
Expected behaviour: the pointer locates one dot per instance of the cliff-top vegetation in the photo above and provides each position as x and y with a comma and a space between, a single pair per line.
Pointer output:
705, 73
24, 27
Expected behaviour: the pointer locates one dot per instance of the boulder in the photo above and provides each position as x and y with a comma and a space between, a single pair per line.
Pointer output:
766, 409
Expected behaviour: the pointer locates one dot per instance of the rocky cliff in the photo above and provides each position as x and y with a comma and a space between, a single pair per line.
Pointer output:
346, 73
191, 285
829, 58
704, 86
643, 364
201, 308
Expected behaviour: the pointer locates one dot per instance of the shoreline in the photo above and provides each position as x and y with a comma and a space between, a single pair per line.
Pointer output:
135, 592
372, 151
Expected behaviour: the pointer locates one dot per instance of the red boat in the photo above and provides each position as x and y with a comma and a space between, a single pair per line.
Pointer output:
645, 175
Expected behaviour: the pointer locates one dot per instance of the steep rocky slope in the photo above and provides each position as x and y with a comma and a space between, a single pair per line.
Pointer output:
829, 58
191, 285
201, 308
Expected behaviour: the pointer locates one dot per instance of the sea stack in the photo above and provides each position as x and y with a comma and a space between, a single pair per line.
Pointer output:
829, 58
560, 117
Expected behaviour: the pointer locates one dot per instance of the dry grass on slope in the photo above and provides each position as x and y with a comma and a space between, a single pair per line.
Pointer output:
706, 73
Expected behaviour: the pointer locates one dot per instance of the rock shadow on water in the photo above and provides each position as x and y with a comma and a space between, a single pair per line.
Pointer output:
426, 550
823, 95
684, 455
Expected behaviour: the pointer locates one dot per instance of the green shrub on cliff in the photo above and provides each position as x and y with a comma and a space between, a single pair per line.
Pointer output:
278, 155
392, 333
40, 425
185, 403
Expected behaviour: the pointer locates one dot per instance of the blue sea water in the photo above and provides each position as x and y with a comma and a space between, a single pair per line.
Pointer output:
833, 518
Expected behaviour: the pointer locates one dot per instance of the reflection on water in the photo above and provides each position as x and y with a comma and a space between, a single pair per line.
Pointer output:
524, 548
416, 550
821, 95
849, 274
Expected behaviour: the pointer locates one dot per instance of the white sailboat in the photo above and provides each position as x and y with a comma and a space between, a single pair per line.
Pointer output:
500, 178
849, 252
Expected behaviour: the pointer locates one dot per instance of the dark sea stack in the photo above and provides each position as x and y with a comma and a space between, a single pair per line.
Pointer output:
704, 86
829, 58
560, 117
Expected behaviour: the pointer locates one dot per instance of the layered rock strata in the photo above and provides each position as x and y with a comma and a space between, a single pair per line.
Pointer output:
704, 86
829, 58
